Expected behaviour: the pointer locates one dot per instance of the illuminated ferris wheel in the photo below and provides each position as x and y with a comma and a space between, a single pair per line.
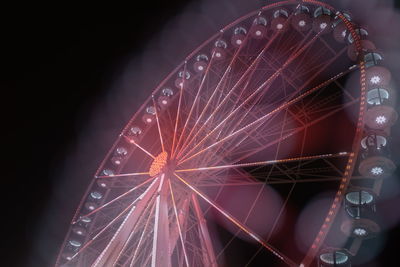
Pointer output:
281, 104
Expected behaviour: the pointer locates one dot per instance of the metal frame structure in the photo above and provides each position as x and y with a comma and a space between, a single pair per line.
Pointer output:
226, 118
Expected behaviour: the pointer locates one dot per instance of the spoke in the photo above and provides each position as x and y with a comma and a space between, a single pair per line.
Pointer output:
272, 182
113, 200
123, 175
281, 211
178, 224
179, 108
263, 118
129, 207
267, 162
130, 140
158, 123
255, 62
297, 130
245, 219
141, 237
298, 90
238, 224
195, 101
242, 117
205, 238
250, 68
274, 225
249, 133
160, 249
227, 71
292, 95
263, 87
306, 176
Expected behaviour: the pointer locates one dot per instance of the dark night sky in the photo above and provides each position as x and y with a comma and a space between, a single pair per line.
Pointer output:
58, 67
59, 63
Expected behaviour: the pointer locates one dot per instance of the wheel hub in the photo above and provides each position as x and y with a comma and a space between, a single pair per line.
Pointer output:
159, 164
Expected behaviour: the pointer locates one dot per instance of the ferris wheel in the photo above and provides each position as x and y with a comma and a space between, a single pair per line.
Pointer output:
281, 104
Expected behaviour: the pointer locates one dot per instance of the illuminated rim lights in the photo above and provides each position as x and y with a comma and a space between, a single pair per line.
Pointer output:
148, 120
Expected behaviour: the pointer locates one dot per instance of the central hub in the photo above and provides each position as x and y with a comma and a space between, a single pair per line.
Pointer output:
159, 164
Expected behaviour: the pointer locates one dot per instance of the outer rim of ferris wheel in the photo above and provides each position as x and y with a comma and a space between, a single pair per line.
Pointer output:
160, 161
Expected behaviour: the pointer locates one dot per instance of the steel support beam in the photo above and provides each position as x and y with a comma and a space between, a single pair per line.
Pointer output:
111, 252
208, 251
161, 240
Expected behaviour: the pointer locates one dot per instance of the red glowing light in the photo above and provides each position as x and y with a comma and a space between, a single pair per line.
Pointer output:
158, 164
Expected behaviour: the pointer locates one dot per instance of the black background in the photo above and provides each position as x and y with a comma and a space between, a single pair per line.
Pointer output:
59, 65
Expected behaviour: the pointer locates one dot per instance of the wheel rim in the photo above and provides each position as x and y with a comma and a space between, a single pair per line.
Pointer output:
203, 129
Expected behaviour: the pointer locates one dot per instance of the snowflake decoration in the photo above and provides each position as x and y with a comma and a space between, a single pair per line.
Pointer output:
380, 119
377, 170
360, 232
375, 79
